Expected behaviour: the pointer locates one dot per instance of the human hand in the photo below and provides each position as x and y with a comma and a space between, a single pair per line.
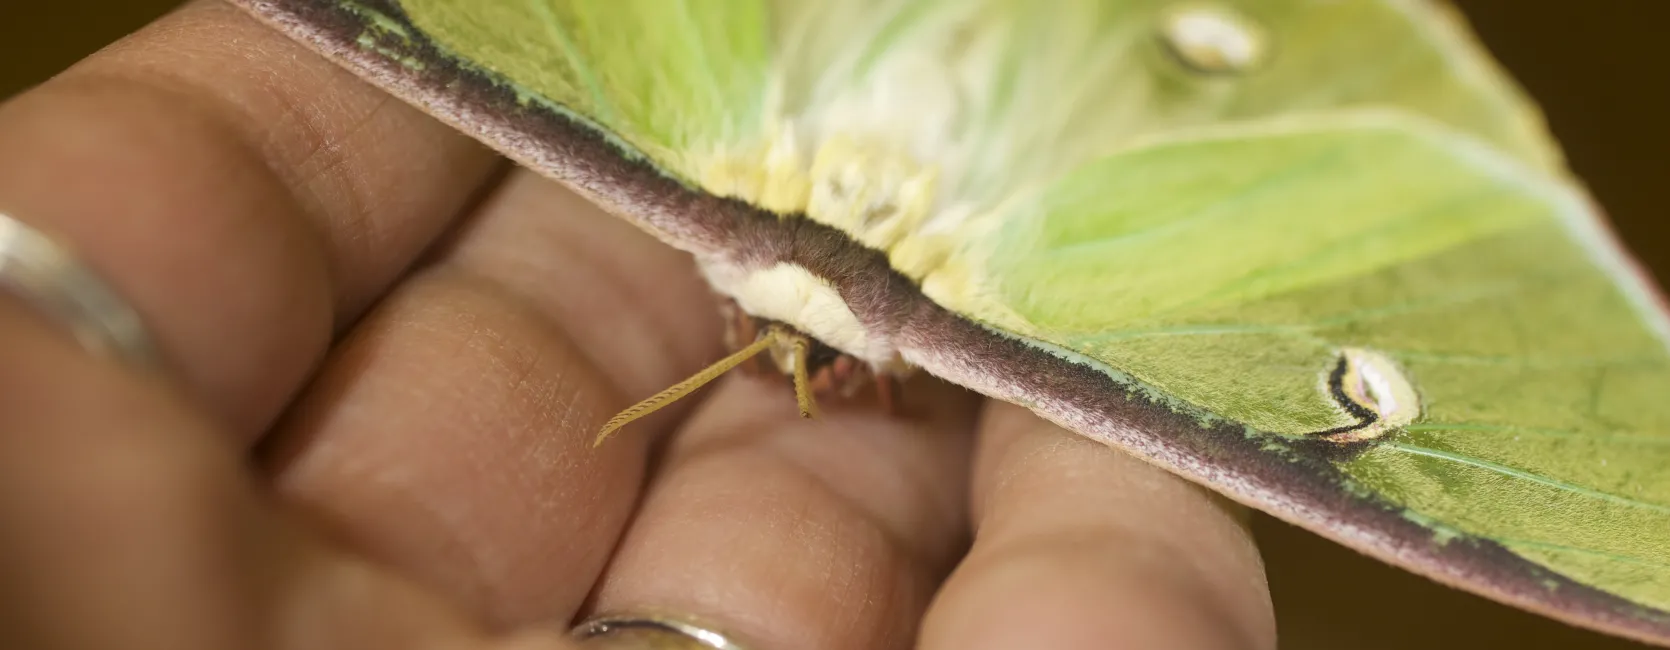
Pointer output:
387, 354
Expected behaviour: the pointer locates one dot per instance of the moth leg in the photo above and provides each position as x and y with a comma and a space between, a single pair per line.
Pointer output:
740, 329
824, 380
887, 393
846, 376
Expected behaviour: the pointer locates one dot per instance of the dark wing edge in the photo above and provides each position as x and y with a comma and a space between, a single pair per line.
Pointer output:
1296, 482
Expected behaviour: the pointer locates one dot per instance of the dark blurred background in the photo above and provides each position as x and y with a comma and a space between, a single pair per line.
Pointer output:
1600, 69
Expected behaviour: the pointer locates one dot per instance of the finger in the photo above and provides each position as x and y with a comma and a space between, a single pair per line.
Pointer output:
450, 434
828, 533
245, 194
1078, 546
130, 522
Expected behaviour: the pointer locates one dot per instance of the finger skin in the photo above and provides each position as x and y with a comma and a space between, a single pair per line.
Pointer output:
248, 198
1079, 546
130, 521
450, 434
246, 195
823, 534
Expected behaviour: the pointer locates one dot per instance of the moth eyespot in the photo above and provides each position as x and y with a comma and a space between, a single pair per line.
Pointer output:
1371, 387
1213, 39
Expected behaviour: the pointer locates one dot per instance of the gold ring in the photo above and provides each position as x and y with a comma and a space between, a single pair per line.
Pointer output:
650, 632
51, 279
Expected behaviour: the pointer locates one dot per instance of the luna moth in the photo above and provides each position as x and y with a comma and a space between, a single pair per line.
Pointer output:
1321, 256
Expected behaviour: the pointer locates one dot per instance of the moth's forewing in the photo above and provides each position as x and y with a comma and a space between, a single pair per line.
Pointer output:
1352, 285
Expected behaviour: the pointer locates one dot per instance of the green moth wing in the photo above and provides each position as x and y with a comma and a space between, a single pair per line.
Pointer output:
1319, 255
1382, 248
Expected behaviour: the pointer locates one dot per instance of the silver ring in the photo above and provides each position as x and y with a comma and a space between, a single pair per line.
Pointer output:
650, 631
53, 280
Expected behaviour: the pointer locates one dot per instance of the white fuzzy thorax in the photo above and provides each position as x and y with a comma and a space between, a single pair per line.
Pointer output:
790, 294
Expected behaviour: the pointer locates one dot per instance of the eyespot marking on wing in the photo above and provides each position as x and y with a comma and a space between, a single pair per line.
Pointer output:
1371, 387
1214, 39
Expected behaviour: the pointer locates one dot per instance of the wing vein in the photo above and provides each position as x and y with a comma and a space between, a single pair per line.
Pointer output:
604, 109
1549, 433
1523, 475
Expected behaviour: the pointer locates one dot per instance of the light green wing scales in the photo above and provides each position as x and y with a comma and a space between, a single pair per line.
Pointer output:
1229, 271
587, 59
793, 105
1046, 168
